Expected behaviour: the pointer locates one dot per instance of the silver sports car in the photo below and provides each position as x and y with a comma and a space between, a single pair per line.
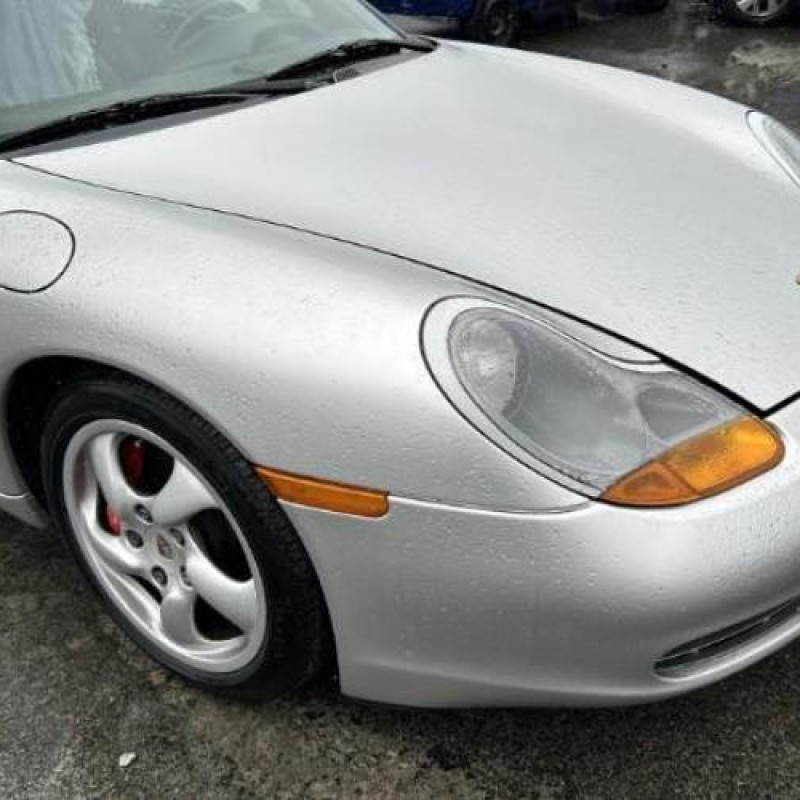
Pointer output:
468, 373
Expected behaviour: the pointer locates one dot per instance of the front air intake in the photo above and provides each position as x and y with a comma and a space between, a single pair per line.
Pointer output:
689, 657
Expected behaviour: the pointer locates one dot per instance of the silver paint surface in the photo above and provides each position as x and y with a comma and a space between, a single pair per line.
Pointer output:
34, 250
476, 608
596, 191
592, 191
275, 337
24, 508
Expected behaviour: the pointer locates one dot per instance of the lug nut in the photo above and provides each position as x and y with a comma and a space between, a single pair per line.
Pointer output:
159, 576
143, 514
134, 539
178, 537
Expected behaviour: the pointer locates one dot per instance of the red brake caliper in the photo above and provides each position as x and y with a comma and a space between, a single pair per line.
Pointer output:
132, 458
113, 522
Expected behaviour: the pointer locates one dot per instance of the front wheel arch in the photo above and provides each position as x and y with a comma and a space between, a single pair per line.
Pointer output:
31, 393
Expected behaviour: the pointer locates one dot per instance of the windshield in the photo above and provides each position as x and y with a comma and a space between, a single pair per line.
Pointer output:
63, 57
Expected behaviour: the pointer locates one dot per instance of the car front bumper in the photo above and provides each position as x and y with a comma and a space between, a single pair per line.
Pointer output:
435, 605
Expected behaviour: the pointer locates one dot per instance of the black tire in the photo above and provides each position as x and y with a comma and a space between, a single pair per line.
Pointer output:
733, 13
298, 644
495, 22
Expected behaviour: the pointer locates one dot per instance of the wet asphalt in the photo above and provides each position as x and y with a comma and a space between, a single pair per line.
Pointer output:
75, 695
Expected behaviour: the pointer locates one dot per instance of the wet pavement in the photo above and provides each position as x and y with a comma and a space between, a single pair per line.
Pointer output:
760, 68
75, 695
686, 43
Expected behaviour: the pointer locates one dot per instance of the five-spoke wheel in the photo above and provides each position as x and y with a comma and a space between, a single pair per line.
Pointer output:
145, 519
195, 558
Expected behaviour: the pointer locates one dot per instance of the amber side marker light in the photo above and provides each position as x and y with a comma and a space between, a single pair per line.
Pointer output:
703, 466
327, 495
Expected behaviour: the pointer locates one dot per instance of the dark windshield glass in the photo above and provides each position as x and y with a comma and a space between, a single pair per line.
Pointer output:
61, 57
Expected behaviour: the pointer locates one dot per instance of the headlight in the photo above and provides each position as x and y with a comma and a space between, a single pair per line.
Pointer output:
592, 414
779, 141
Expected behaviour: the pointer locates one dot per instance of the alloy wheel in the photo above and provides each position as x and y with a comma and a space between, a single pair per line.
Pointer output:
761, 9
164, 547
500, 21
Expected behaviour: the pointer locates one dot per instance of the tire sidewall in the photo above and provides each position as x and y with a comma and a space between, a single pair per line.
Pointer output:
276, 665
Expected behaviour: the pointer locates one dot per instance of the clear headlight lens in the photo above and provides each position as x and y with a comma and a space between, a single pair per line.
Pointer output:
588, 419
781, 143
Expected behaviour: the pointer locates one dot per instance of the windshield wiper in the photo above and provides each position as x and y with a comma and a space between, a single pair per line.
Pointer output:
127, 112
351, 52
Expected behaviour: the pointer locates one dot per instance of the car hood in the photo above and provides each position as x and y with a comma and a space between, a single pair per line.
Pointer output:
645, 208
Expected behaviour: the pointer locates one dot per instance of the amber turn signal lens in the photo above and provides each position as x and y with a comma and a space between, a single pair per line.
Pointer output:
325, 494
703, 466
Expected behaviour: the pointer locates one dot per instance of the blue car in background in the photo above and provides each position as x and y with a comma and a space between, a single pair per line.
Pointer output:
493, 21
499, 21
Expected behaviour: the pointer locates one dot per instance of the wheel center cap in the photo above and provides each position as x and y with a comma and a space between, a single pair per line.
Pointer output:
165, 549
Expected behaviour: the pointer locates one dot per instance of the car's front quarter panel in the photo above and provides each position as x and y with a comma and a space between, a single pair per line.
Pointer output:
304, 351
572, 608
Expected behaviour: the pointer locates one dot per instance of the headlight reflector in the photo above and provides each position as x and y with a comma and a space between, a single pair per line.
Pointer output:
631, 431
487, 360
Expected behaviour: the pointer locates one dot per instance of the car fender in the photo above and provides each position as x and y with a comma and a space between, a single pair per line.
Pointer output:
304, 351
